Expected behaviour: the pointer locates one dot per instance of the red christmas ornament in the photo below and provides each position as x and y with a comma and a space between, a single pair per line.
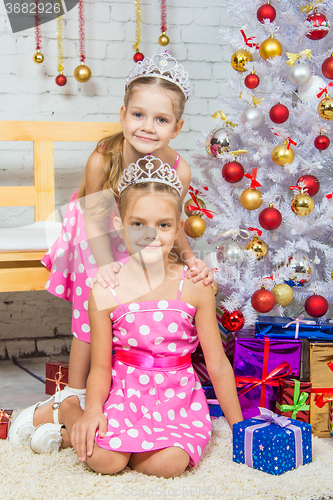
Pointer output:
327, 68
322, 142
266, 11
233, 321
270, 218
263, 300
311, 183
252, 81
279, 113
61, 80
316, 306
233, 171
138, 56
319, 26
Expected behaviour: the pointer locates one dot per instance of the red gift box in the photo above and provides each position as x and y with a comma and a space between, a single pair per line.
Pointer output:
56, 377
294, 400
5, 421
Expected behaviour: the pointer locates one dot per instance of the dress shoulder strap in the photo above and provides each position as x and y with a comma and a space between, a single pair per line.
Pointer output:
115, 295
176, 162
181, 284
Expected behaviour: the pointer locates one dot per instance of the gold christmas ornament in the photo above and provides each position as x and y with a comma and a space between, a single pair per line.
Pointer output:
284, 294
281, 154
302, 204
257, 247
270, 48
325, 108
163, 39
215, 288
240, 58
190, 203
38, 57
194, 226
251, 199
82, 73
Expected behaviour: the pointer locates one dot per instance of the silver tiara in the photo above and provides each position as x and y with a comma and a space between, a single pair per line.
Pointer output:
164, 66
136, 174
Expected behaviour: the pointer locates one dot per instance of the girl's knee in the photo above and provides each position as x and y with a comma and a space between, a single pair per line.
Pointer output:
106, 461
167, 463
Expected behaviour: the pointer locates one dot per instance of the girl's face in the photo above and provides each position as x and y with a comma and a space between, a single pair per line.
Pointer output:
150, 225
149, 121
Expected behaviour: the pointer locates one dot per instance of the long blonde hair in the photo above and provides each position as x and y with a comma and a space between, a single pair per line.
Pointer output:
111, 148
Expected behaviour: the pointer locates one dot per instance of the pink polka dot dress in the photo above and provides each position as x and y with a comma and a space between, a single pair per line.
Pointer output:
156, 400
72, 265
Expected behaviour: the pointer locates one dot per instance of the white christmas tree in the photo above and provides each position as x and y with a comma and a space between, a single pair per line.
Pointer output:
281, 128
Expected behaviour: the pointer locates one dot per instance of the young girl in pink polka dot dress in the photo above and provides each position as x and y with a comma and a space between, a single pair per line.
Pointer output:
145, 406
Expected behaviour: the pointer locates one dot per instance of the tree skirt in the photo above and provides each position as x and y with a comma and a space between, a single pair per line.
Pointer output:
27, 476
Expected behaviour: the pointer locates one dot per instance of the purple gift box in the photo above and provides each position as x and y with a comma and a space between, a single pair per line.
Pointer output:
259, 364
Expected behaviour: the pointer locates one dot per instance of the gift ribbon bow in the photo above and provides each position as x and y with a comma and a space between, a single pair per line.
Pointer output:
310, 6
197, 191
329, 196
294, 57
222, 116
4, 414
57, 379
258, 231
299, 401
247, 40
299, 321
234, 233
325, 89
253, 177
191, 208
323, 395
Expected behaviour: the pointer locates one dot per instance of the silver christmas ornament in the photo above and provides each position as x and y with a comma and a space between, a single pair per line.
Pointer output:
300, 270
221, 140
253, 116
232, 252
299, 74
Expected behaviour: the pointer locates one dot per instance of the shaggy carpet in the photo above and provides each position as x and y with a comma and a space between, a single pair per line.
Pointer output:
60, 476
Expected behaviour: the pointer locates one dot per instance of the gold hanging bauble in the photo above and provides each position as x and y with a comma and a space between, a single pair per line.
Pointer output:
38, 57
281, 154
283, 294
194, 226
82, 73
325, 108
251, 199
240, 58
190, 203
270, 48
302, 204
215, 288
163, 39
257, 247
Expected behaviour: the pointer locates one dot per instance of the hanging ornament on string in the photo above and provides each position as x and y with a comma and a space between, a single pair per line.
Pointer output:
82, 73
252, 80
325, 107
262, 300
231, 251
299, 73
279, 113
194, 225
251, 198
270, 48
283, 294
283, 153
233, 321
163, 39
316, 306
222, 139
60, 79
270, 218
327, 67
318, 23
38, 56
138, 56
243, 56
266, 11
189, 208
322, 142
300, 269
309, 182
233, 171
252, 116
257, 247
302, 204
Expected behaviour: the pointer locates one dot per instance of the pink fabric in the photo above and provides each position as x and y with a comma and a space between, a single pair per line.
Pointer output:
151, 409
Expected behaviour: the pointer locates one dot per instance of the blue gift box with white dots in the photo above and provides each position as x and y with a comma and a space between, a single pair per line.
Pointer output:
272, 448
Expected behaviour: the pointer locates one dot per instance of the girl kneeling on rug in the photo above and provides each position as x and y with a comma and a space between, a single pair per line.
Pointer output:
146, 409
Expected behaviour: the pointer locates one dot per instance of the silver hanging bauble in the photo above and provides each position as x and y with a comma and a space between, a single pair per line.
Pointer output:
253, 116
299, 74
299, 265
232, 252
222, 140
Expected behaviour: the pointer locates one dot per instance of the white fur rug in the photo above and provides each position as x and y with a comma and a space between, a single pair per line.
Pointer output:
60, 476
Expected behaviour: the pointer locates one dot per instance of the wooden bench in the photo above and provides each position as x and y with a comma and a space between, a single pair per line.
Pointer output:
22, 271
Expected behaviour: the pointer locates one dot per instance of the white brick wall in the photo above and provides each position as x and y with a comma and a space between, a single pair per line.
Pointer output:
28, 92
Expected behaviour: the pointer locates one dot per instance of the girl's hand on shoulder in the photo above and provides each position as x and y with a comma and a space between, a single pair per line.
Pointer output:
84, 431
198, 270
106, 275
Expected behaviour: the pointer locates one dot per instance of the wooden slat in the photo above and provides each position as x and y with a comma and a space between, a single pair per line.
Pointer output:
57, 131
21, 256
44, 179
17, 196
18, 280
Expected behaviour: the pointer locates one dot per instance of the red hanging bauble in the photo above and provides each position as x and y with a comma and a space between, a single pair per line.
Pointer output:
252, 81
233, 171
319, 26
316, 306
279, 113
233, 321
322, 141
61, 80
263, 300
327, 68
266, 11
311, 183
270, 218
138, 56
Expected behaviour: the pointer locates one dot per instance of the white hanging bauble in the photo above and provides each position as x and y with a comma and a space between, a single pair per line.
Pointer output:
299, 74
253, 116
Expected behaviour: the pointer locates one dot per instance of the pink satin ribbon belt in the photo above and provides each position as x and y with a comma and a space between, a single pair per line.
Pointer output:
148, 362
